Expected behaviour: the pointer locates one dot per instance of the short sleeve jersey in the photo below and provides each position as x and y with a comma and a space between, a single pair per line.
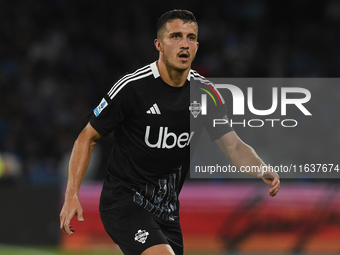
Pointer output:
151, 124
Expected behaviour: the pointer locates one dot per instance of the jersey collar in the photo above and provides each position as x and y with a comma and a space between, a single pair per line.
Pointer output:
156, 74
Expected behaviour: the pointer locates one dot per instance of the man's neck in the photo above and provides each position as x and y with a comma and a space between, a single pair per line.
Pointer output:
170, 76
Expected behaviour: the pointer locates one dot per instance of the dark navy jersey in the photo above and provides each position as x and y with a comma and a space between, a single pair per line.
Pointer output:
154, 128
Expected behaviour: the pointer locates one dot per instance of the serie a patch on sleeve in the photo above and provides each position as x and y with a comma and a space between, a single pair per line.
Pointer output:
100, 107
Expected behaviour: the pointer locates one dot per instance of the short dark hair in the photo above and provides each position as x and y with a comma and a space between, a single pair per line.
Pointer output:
184, 15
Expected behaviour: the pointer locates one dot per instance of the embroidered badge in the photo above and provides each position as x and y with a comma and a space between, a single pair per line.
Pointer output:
141, 236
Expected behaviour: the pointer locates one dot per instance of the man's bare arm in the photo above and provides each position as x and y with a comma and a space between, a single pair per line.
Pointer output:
79, 161
241, 154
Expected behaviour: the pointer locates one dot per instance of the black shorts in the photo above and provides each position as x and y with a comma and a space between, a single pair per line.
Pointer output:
135, 229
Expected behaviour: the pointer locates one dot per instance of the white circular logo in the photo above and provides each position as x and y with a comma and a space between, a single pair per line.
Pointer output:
141, 236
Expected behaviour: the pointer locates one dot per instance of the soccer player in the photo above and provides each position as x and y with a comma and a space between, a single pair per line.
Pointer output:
148, 110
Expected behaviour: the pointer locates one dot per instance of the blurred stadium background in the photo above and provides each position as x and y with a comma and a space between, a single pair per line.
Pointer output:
57, 59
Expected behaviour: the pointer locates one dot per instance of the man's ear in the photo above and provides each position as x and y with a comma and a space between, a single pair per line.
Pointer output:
158, 44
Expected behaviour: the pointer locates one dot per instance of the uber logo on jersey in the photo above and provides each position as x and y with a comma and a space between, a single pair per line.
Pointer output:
168, 140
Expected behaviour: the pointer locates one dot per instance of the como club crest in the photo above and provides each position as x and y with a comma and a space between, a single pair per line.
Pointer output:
141, 236
195, 108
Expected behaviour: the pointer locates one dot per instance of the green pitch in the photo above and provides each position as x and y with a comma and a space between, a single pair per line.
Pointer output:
20, 250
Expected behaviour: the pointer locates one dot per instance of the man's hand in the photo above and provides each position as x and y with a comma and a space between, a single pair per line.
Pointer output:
79, 161
70, 208
273, 180
241, 154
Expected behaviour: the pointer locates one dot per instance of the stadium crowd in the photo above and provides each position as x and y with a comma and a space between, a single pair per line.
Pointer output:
58, 57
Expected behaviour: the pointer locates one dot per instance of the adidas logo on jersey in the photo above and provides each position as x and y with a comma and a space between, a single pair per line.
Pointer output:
153, 109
